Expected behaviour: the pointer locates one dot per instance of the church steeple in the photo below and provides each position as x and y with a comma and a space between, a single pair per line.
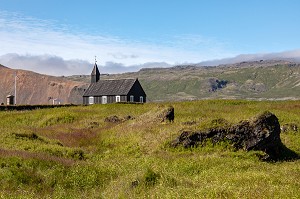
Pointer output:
95, 76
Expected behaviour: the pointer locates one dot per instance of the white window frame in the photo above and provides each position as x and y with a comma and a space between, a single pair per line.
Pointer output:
131, 98
141, 99
104, 99
118, 98
91, 100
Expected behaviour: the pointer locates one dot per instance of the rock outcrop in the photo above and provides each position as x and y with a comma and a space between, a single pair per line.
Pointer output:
261, 133
289, 127
116, 119
216, 84
167, 115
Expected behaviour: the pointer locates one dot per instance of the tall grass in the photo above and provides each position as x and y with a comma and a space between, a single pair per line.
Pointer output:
73, 153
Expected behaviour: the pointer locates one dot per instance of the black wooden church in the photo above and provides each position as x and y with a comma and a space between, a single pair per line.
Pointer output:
112, 91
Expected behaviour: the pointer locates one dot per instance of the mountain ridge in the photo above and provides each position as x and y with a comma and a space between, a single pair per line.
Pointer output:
255, 80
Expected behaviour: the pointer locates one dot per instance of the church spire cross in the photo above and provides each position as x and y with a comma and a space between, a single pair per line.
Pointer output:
95, 76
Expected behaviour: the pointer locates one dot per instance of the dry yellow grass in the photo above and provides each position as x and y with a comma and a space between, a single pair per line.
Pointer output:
75, 154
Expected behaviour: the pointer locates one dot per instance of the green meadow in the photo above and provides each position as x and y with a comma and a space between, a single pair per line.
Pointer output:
72, 152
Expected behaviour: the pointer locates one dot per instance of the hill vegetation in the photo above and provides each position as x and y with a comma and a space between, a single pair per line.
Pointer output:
76, 152
247, 80
257, 80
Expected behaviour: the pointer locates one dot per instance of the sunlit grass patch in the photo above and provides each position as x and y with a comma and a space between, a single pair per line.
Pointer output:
74, 153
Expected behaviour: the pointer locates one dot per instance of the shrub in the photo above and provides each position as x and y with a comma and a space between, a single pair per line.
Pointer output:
60, 119
150, 177
77, 154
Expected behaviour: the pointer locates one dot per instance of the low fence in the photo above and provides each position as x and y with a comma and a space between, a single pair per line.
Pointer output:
32, 107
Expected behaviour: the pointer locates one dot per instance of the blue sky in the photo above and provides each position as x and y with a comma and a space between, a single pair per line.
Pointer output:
130, 34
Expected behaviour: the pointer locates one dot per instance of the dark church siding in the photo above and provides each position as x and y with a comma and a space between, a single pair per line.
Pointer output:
97, 100
137, 91
110, 99
123, 98
85, 100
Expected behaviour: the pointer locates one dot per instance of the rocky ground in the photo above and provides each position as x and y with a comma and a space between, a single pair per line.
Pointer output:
260, 133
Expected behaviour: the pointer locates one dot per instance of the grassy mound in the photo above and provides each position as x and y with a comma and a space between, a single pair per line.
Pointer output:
71, 152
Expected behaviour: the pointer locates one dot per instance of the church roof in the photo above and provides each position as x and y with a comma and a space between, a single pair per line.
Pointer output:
110, 87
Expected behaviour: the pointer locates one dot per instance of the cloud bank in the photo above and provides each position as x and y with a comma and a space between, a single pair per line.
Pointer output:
38, 41
57, 66
45, 64
293, 55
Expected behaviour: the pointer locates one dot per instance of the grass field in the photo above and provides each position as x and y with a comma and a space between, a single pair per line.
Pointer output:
72, 152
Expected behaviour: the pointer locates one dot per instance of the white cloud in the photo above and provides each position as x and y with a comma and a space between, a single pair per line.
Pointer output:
39, 38
46, 64
293, 55
119, 55
54, 65
112, 67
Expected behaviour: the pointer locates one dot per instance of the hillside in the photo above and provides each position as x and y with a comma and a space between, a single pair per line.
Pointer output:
34, 88
76, 152
246, 80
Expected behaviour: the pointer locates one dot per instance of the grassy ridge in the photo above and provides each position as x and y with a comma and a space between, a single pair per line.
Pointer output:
278, 81
72, 152
258, 80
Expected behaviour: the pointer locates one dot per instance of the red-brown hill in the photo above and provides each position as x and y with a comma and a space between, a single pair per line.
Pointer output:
34, 88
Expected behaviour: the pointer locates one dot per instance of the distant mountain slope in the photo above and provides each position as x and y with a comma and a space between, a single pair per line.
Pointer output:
245, 80
34, 88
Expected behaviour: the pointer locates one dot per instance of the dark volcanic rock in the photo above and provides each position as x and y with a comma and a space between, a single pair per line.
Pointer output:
261, 133
289, 127
216, 84
113, 119
116, 119
167, 114
189, 123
